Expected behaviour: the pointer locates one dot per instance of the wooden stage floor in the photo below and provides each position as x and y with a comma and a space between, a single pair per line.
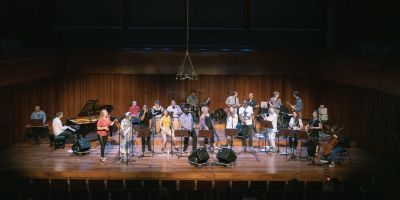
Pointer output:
31, 161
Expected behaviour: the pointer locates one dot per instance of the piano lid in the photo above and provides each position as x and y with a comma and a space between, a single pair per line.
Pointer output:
91, 108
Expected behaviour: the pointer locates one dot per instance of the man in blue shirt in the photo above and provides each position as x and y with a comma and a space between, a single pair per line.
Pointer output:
38, 114
186, 122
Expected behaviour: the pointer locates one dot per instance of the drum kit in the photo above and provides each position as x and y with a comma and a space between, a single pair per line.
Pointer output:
195, 109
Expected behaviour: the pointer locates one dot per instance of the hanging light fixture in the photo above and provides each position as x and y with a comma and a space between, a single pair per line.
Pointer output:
182, 74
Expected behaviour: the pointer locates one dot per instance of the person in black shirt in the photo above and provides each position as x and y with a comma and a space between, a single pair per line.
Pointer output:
145, 128
314, 127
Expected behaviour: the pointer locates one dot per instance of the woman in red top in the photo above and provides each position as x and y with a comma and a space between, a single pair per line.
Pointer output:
102, 131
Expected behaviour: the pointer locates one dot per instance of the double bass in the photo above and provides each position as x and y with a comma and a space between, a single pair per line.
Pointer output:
331, 145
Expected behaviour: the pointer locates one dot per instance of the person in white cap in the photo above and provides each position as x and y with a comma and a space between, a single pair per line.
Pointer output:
126, 137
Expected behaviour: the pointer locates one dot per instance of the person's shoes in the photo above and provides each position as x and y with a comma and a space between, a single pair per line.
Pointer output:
103, 159
332, 164
176, 149
163, 149
244, 149
150, 149
323, 161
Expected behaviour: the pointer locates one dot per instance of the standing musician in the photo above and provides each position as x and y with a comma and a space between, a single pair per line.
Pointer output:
134, 110
187, 123
206, 123
275, 101
126, 137
273, 118
252, 103
165, 125
295, 124
103, 129
157, 111
298, 105
314, 127
233, 101
192, 98
39, 114
175, 111
246, 116
145, 125
231, 122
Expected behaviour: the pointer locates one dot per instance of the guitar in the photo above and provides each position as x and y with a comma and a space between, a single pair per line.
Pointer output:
289, 104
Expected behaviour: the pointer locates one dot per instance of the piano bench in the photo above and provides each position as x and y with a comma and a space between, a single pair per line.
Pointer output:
57, 141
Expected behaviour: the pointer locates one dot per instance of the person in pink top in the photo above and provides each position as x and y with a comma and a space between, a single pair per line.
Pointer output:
103, 129
135, 110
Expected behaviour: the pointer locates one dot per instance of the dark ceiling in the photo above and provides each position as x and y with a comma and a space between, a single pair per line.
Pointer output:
266, 24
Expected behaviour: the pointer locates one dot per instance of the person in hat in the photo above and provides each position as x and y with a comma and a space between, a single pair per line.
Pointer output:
126, 137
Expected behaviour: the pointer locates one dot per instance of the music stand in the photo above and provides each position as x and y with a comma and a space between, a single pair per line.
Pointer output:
181, 133
267, 125
232, 132
286, 133
204, 134
143, 133
301, 134
37, 125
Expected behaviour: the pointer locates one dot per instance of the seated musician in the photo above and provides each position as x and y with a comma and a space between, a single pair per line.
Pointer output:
157, 111
192, 98
335, 146
165, 125
135, 110
314, 127
39, 114
273, 118
60, 130
186, 122
206, 123
126, 137
145, 117
295, 124
231, 122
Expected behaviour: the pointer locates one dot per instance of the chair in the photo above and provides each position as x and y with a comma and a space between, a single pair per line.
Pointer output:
204, 186
344, 155
58, 142
60, 189
186, 185
115, 185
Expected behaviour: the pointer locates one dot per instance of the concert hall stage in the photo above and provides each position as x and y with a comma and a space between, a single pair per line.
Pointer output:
38, 162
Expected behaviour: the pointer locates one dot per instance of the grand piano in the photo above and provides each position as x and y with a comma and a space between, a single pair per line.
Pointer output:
87, 118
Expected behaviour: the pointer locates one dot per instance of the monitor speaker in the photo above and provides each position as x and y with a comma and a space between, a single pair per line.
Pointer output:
226, 155
199, 156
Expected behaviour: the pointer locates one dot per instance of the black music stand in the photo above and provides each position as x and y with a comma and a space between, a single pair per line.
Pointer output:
286, 133
301, 134
205, 134
267, 125
181, 133
37, 126
232, 132
144, 132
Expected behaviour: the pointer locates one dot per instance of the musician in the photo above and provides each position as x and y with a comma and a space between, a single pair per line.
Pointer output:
135, 110
192, 98
165, 125
314, 127
246, 116
38, 114
103, 129
126, 137
275, 101
252, 103
233, 101
335, 145
298, 105
206, 123
175, 111
273, 118
60, 130
295, 124
157, 111
231, 122
145, 125
186, 122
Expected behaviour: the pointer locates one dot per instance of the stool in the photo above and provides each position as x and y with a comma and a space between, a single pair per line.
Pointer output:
57, 141
344, 155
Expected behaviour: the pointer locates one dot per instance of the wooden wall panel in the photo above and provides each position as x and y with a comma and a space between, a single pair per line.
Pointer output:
369, 116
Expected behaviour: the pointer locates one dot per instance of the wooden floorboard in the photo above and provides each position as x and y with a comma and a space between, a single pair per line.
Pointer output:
27, 160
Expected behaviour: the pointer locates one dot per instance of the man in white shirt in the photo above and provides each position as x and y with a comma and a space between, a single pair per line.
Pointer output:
247, 118
60, 130
231, 123
175, 111
273, 118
